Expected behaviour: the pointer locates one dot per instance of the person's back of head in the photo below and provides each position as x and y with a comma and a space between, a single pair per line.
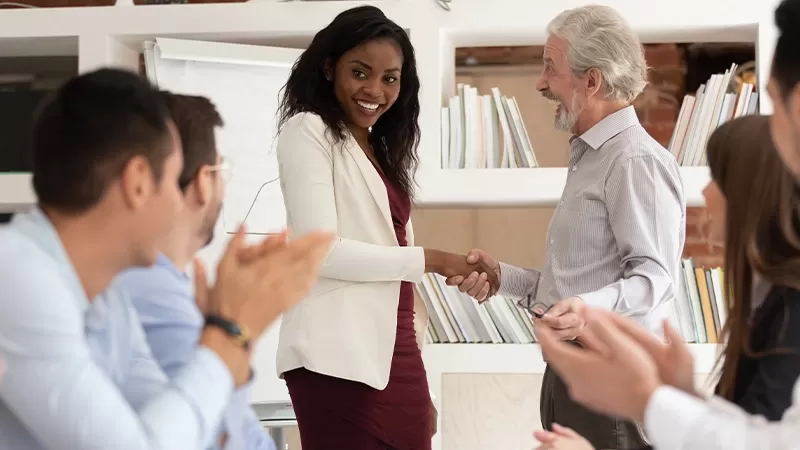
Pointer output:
196, 119
784, 85
105, 150
87, 132
759, 223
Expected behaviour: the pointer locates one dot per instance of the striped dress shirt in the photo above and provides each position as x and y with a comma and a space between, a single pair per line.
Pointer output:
617, 234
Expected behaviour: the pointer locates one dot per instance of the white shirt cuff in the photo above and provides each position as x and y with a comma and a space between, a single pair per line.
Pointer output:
669, 416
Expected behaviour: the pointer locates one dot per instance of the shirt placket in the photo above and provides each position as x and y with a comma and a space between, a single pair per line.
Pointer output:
577, 150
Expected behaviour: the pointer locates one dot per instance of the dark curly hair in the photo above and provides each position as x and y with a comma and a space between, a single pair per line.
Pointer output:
396, 134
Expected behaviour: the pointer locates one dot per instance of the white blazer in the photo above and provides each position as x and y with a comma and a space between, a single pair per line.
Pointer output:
346, 326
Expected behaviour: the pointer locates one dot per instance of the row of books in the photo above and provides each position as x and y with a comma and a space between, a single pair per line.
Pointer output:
456, 317
484, 131
698, 311
714, 103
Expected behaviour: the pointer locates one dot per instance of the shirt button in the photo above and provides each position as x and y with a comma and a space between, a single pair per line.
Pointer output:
552, 240
561, 203
574, 168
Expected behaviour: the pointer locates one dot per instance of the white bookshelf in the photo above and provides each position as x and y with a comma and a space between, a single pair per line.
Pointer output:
16, 192
521, 187
441, 359
113, 36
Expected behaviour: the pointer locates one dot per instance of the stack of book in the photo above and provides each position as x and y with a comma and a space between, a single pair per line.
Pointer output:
484, 131
714, 103
698, 311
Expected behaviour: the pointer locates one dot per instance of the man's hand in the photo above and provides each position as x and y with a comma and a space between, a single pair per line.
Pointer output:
477, 285
613, 374
674, 360
564, 319
561, 438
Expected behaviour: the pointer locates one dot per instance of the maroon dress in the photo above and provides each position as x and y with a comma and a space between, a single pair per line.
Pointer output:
338, 414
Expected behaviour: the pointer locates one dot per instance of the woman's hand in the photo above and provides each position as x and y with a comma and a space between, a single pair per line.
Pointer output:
561, 438
673, 358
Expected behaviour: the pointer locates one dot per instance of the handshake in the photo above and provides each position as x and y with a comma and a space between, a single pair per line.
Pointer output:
476, 274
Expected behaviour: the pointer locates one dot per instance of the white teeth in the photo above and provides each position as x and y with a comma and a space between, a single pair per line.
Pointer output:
369, 106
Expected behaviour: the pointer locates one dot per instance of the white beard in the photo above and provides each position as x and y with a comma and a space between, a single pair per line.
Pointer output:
566, 119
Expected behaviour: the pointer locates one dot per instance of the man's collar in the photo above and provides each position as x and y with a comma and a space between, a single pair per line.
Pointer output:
163, 261
610, 126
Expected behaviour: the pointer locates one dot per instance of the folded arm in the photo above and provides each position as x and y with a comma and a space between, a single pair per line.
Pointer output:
646, 210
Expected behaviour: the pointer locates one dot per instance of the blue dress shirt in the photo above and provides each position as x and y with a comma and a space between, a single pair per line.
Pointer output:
79, 374
164, 299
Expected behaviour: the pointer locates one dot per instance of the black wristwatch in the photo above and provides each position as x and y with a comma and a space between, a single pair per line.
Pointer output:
239, 333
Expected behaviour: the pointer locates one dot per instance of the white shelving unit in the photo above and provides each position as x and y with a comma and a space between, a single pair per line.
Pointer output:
520, 187
442, 359
113, 36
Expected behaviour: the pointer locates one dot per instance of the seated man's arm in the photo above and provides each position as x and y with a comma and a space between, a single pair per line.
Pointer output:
53, 386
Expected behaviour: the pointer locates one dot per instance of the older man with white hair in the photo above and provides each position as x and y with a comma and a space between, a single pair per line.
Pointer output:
616, 236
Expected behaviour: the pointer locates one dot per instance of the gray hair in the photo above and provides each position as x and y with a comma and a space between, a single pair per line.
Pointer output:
598, 37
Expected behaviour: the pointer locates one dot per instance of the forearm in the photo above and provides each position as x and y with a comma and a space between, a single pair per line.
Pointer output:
247, 432
351, 260
677, 421
517, 282
46, 396
639, 292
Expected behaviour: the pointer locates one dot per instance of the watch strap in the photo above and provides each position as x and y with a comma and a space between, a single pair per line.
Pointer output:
240, 334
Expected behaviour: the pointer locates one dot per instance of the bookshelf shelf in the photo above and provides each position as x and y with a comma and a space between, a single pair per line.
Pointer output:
16, 192
539, 187
443, 359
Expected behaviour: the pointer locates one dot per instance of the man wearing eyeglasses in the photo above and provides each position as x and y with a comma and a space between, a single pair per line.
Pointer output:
616, 236
162, 294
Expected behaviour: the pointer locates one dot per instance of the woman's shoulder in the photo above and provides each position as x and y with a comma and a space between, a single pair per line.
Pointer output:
307, 121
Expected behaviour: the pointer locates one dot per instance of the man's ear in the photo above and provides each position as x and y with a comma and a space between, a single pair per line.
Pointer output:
201, 187
136, 182
593, 82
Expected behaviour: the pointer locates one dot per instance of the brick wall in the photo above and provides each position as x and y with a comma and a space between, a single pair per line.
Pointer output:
658, 110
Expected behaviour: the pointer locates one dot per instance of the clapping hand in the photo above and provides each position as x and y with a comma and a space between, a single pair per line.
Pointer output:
561, 438
613, 374
673, 359
479, 285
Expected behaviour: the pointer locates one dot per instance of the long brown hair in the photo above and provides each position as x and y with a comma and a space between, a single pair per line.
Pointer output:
762, 230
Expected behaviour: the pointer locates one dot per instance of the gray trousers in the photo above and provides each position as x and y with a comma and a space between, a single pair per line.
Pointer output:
604, 433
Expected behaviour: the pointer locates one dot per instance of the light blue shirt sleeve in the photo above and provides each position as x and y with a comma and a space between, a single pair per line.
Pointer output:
55, 389
253, 433
172, 323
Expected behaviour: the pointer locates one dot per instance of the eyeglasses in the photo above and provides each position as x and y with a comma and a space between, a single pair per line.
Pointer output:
534, 308
225, 167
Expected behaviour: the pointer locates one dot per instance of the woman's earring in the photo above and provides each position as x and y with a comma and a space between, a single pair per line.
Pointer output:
328, 76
